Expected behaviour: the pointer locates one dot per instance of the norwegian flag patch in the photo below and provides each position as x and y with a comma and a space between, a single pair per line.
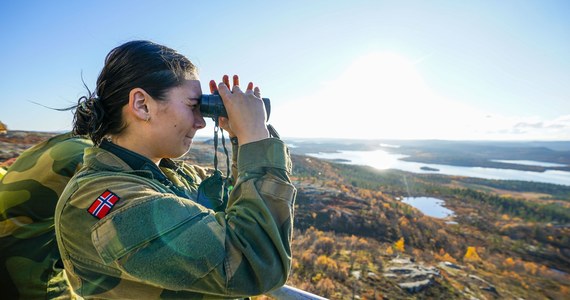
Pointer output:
103, 204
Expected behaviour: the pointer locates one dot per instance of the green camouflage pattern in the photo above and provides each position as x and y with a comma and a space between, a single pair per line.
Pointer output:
156, 245
30, 265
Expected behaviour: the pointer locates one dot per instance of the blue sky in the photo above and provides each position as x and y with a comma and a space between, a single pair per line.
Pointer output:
357, 69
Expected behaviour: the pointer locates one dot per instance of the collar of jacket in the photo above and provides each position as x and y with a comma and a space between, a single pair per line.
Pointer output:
138, 162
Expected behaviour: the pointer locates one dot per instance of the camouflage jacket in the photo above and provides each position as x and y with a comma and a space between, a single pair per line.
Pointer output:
30, 266
127, 233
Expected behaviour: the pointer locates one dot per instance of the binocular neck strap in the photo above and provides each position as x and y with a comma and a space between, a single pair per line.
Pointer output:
216, 129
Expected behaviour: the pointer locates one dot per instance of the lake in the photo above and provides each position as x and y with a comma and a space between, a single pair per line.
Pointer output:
429, 206
383, 160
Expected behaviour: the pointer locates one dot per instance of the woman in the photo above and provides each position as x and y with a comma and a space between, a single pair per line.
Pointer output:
128, 225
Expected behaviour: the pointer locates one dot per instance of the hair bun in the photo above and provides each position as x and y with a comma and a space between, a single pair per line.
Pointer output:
88, 116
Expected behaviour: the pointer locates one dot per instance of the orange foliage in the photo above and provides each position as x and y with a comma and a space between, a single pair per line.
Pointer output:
325, 287
389, 251
324, 244
564, 290
509, 262
449, 258
531, 267
399, 245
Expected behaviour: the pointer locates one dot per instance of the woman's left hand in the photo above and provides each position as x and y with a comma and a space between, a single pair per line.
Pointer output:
223, 121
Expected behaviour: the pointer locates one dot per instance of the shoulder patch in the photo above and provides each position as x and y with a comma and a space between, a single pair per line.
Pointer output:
103, 204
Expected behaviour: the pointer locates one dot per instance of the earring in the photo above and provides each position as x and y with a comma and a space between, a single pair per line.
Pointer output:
147, 119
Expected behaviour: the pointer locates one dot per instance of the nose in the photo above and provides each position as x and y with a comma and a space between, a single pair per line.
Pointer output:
199, 121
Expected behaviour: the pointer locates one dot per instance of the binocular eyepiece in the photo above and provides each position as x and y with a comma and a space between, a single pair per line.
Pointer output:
212, 106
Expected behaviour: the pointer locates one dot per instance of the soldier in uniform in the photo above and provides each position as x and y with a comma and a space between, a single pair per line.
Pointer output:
129, 225
30, 265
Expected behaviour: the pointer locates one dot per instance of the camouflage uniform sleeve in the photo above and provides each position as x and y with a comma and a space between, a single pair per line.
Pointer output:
240, 252
28, 195
234, 168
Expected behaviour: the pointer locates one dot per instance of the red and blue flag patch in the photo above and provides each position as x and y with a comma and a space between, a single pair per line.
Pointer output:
103, 204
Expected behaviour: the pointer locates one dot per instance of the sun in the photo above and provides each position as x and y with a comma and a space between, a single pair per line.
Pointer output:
378, 95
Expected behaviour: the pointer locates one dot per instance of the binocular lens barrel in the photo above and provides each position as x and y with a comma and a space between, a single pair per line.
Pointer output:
212, 106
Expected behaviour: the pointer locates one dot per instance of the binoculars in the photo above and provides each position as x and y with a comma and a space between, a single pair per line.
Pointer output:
212, 106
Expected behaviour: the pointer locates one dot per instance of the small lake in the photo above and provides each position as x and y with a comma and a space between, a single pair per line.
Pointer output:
383, 160
429, 206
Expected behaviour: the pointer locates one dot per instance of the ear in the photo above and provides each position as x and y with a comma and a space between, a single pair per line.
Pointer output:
139, 104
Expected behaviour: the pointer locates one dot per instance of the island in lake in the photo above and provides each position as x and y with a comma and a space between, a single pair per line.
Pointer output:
426, 168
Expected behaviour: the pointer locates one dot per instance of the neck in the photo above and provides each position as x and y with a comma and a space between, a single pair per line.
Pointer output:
136, 145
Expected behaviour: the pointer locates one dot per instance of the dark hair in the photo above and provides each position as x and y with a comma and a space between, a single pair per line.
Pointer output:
136, 64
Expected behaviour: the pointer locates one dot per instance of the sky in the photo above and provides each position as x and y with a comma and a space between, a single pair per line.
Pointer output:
457, 70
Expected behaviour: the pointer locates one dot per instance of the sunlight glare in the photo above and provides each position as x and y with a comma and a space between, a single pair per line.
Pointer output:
379, 95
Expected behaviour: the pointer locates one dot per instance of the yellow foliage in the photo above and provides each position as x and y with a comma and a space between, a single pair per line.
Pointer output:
505, 217
327, 263
366, 194
404, 221
386, 205
389, 251
471, 255
399, 245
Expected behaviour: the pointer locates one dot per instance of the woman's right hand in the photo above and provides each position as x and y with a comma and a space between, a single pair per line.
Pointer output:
246, 112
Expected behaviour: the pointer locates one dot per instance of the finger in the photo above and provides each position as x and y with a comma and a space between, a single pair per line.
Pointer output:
226, 80
213, 87
222, 121
249, 86
236, 80
236, 89
257, 92
224, 91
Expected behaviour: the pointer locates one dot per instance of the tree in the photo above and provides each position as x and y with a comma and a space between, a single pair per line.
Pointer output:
3, 127
471, 255
399, 245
